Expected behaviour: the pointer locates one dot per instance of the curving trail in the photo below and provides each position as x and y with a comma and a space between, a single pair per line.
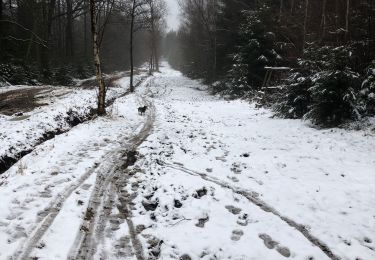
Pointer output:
226, 180
108, 187
196, 177
55, 193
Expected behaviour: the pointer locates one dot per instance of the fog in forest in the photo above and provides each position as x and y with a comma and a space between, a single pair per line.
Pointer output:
187, 129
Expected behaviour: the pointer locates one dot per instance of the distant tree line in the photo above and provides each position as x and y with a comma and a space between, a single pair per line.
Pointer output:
329, 46
50, 41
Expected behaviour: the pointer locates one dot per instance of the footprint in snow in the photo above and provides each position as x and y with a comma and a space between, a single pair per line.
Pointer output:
236, 235
234, 179
284, 251
271, 244
268, 241
234, 210
243, 220
202, 221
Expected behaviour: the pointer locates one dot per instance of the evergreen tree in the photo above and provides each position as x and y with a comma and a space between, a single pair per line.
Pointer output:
256, 50
328, 94
367, 93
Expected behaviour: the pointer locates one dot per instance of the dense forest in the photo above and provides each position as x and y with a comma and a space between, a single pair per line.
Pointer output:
306, 59
50, 41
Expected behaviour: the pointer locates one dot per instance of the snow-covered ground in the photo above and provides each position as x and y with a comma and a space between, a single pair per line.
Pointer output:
272, 187
61, 105
214, 179
45, 195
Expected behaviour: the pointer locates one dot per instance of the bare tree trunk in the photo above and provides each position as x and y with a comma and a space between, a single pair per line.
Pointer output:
156, 58
30, 45
154, 51
59, 28
281, 10
1, 30
323, 21
69, 29
292, 7
347, 20
305, 24
337, 20
98, 69
85, 29
131, 46
48, 12
151, 64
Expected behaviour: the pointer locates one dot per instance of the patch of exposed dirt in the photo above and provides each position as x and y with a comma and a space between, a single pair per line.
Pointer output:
73, 120
20, 101
109, 80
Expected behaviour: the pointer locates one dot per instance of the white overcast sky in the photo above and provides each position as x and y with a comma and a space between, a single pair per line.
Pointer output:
173, 19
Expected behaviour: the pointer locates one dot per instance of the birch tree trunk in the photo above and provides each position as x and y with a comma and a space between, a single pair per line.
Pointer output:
98, 69
131, 46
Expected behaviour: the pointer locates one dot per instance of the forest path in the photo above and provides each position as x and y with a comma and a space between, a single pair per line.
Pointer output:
268, 188
48, 194
197, 177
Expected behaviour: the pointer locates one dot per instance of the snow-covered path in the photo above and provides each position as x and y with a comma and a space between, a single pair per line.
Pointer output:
227, 181
211, 179
47, 196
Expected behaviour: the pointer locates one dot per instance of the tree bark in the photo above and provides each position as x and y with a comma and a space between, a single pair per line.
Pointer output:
69, 29
323, 21
47, 28
305, 24
154, 52
131, 46
292, 7
1, 30
281, 10
98, 69
85, 29
347, 20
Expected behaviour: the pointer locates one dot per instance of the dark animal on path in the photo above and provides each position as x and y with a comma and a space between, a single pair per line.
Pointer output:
142, 110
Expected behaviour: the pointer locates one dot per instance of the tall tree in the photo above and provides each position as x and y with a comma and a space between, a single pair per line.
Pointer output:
1, 29
132, 21
157, 10
98, 69
69, 29
136, 12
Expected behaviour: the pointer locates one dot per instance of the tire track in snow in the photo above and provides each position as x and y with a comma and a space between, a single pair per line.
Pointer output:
110, 159
54, 210
89, 237
252, 197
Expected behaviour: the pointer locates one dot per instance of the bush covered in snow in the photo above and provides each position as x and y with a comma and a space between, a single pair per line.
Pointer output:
367, 94
329, 91
18, 73
334, 96
295, 100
